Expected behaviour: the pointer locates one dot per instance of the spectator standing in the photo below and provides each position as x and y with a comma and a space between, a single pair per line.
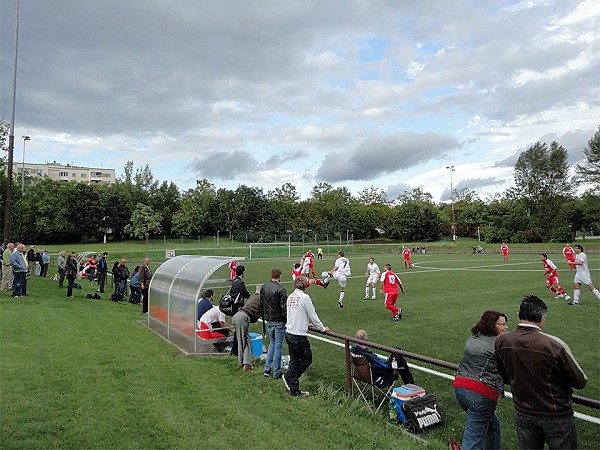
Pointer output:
134, 286
92, 264
274, 300
31, 259
542, 373
478, 385
45, 263
61, 265
249, 313
319, 253
123, 277
300, 310
582, 276
116, 278
390, 282
71, 273
145, 277
19, 265
238, 287
102, 271
7, 271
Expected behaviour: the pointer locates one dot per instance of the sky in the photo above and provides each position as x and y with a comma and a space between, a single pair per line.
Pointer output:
354, 93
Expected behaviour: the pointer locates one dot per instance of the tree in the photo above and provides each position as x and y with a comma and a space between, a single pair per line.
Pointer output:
589, 171
144, 221
372, 196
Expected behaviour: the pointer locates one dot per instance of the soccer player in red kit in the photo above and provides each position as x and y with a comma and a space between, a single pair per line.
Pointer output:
297, 271
569, 254
232, 267
504, 250
552, 282
406, 256
388, 286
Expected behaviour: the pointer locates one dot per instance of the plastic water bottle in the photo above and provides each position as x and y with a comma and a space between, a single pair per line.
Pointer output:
392, 414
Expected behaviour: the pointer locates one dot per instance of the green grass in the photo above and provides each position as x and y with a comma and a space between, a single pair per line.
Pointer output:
85, 374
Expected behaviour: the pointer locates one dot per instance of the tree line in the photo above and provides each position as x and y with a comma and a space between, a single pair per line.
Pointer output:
541, 206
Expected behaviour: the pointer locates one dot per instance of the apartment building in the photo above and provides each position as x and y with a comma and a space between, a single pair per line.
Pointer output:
66, 172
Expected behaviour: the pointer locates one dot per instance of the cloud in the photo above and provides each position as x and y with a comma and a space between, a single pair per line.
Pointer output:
473, 184
396, 190
383, 154
224, 165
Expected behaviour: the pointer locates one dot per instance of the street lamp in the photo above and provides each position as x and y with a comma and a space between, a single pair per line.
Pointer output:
452, 169
25, 138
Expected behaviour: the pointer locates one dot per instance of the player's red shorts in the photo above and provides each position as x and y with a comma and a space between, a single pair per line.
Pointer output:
391, 298
552, 279
406, 257
505, 252
570, 257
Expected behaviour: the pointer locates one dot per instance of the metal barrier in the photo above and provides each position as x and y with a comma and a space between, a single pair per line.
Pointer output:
585, 401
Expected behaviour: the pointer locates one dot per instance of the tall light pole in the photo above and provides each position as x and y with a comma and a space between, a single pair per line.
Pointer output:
452, 169
11, 140
25, 138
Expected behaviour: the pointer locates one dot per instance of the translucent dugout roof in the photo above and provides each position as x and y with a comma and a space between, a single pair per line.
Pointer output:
173, 293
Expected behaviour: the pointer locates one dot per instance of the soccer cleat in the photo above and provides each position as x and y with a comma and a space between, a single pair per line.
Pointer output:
573, 302
325, 284
341, 303
395, 318
567, 298
366, 297
373, 298
560, 296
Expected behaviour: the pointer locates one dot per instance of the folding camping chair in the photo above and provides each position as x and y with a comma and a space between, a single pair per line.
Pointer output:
364, 384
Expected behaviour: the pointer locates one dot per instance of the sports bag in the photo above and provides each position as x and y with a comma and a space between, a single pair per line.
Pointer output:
229, 305
422, 413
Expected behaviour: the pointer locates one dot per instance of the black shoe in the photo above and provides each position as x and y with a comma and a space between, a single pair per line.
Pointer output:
300, 394
341, 303
267, 373
325, 285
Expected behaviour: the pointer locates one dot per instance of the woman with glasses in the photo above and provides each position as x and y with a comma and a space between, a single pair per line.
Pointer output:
478, 385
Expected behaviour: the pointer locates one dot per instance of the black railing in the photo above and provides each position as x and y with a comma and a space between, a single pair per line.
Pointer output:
589, 402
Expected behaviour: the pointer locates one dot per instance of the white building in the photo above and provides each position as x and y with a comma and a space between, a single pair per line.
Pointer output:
62, 172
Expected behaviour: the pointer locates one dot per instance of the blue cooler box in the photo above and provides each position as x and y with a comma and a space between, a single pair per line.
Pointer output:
256, 346
405, 393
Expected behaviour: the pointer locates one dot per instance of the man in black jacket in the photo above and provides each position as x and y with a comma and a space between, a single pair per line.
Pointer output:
238, 287
102, 271
274, 298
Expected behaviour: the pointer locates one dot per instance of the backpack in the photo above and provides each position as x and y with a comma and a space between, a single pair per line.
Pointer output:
229, 305
422, 413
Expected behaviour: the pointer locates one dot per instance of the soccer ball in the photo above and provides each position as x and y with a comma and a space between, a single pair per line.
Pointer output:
325, 275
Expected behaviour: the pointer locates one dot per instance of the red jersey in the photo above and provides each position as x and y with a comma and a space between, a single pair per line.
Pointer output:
406, 253
569, 253
550, 268
232, 267
504, 248
390, 281
296, 273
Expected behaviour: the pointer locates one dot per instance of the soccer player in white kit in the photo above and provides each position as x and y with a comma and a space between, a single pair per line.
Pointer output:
582, 276
341, 271
373, 272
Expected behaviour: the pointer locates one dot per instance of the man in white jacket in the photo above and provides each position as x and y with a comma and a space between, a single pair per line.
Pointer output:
300, 310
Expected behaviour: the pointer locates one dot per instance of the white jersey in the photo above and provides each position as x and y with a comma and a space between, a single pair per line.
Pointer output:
373, 269
343, 265
582, 275
213, 315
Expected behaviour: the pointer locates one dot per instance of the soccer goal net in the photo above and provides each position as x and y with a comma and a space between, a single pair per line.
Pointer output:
270, 250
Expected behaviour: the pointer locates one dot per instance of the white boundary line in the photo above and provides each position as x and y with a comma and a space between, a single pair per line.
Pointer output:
581, 416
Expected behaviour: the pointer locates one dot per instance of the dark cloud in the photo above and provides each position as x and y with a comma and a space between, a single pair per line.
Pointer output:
396, 190
382, 154
275, 160
224, 165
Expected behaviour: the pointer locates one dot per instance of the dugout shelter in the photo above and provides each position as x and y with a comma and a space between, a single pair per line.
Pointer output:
173, 294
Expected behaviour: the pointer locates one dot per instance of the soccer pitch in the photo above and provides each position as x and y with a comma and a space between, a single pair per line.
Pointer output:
445, 296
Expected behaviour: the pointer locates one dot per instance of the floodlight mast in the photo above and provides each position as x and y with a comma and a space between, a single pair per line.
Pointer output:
452, 169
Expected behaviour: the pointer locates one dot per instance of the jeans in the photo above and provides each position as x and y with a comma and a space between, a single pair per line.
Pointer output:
532, 432
300, 360
71, 282
61, 277
276, 335
91, 274
101, 280
482, 429
145, 299
18, 287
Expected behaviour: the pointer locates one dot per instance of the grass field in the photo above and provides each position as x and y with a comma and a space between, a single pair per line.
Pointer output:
84, 374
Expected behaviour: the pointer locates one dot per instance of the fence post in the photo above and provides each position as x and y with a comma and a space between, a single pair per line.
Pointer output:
348, 368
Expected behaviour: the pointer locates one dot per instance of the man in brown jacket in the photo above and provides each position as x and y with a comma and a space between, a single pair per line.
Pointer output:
542, 373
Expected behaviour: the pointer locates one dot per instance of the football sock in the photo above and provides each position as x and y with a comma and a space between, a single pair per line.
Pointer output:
596, 293
374, 291
366, 291
552, 289
562, 291
342, 296
318, 282
576, 294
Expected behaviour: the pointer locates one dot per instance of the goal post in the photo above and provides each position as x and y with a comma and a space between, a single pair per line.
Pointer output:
270, 250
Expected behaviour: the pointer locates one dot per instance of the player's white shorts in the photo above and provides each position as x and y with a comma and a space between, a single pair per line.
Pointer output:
340, 277
373, 278
584, 279
305, 270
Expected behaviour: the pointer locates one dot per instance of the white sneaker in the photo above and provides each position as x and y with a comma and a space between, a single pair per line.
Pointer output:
559, 296
373, 298
366, 297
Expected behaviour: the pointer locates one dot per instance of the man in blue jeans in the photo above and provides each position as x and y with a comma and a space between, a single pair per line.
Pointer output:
274, 297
